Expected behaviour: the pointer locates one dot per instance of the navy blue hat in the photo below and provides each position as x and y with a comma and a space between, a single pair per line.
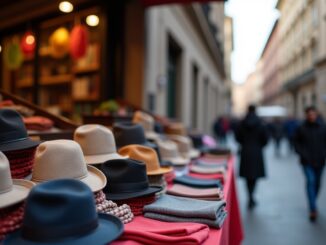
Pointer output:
63, 212
13, 134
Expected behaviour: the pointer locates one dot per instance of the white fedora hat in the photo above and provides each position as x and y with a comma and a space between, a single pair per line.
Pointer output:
97, 143
169, 152
147, 121
12, 191
59, 159
185, 146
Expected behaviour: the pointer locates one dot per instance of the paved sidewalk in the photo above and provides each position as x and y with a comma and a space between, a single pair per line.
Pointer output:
281, 217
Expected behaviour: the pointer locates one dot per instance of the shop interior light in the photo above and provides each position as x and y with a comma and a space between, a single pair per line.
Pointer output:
0, 48
66, 7
92, 20
30, 39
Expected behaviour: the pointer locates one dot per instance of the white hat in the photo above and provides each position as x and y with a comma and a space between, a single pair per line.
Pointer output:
59, 159
185, 146
12, 191
97, 143
169, 152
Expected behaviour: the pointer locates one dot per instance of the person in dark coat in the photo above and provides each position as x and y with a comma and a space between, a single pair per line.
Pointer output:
310, 144
252, 136
277, 134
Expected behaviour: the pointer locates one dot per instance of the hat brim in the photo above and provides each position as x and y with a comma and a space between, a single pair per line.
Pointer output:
18, 193
193, 154
95, 179
108, 230
19, 145
97, 159
123, 196
178, 161
161, 170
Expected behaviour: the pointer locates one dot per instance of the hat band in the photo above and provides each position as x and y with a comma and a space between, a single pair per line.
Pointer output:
12, 141
128, 187
44, 234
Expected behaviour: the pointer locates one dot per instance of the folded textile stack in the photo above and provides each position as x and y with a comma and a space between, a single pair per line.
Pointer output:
11, 219
209, 194
158, 180
179, 209
38, 123
123, 212
213, 169
196, 182
21, 162
22, 110
154, 232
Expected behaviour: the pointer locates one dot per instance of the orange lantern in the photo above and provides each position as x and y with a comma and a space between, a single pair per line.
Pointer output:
78, 41
59, 42
27, 43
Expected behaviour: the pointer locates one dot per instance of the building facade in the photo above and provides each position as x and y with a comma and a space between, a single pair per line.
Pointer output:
270, 69
302, 49
184, 70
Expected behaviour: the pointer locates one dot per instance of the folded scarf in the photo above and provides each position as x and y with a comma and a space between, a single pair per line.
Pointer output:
196, 182
154, 232
38, 123
123, 212
180, 209
204, 194
211, 163
207, 170
215, 177
11, 219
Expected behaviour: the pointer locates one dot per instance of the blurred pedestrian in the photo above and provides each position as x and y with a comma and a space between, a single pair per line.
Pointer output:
277, 134
310, 144
252, 136
290, 126
221, 127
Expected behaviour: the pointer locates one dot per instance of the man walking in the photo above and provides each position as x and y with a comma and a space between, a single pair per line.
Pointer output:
252, 136
310, 144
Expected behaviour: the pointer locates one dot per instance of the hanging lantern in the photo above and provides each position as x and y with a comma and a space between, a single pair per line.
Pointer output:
28, 43
13, 57
78, 41
59, 42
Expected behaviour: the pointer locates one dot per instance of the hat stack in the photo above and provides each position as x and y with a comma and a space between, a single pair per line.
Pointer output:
12, 194
169, 152
148, 123
15, 143
185, 146
148, 156
53, 216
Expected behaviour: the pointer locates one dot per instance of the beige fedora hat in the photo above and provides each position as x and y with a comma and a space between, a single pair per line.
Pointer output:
97, 143
59, 159
185, 146
169, 152
146, 155
12, 191
147, 121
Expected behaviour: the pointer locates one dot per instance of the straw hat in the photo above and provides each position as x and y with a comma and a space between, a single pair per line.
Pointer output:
97, 143
146, 155
147, 121
185, 146
12, 191
169, 152
60, 159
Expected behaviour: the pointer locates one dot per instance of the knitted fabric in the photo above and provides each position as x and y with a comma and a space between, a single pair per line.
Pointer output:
21, 162
11, 219
123, 212
137, 204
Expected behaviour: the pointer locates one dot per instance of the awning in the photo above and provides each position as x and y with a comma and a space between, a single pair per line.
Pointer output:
148, 3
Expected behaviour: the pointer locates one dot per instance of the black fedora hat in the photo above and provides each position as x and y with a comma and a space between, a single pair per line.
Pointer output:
63, 212
127, 179
127, 133
13, 134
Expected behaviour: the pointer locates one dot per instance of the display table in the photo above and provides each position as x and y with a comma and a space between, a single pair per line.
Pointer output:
231, 232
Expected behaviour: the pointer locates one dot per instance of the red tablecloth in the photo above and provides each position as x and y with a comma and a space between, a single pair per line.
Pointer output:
231, 232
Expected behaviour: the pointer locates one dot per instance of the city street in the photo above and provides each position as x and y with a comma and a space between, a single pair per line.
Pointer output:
281, 217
